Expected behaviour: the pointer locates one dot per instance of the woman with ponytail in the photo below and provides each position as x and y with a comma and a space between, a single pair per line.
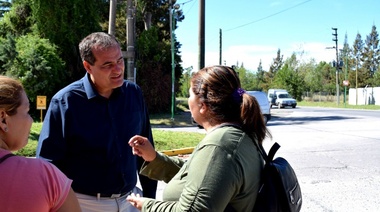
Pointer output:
223, 173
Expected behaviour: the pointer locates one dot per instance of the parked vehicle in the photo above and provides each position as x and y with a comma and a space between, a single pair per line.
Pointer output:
262, 99
272, 95
281, 98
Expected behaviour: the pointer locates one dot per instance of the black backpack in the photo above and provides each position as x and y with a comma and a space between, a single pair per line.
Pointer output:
279, 190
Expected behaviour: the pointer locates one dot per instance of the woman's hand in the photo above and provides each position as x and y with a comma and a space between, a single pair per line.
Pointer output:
136, 200
142, 147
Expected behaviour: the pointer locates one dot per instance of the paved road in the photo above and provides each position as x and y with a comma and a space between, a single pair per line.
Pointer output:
336, 156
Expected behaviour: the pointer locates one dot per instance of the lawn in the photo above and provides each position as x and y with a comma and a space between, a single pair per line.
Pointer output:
169, 140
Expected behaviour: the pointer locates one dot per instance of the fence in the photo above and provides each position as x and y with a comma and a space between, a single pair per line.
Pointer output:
321, 97
365, 96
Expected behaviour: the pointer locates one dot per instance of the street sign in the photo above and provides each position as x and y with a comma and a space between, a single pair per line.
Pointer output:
346, 82
41, 102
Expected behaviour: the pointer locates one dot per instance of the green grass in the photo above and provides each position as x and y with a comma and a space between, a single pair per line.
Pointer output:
164, 140
335, 105
168, 140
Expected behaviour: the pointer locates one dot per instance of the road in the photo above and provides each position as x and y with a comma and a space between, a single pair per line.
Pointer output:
334, 152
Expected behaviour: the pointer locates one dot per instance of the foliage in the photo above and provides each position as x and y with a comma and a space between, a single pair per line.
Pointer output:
371, 55
247, 79
8, 53
151, 71
185, 82
4, 7
260, 79
18, 21
65, 23
288, 77
38, 67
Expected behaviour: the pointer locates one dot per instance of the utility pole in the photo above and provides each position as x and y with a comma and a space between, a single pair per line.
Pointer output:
335, 38
111, 25
201, 37
130, 54
220, 46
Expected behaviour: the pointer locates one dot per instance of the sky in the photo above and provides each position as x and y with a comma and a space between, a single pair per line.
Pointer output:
254, 30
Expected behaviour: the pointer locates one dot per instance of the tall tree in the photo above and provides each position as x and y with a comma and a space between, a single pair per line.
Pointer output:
259, 76
65, 23
371, 54
288, 77
357, 52
4, 7
276, 63
274, 67
8, 53
19, 20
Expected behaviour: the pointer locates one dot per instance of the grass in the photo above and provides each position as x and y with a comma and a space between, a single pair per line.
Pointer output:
168, 140
341, 105
164, 139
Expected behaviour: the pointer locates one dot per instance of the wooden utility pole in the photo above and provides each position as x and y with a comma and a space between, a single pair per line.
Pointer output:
201, 38
130, 54
112, 17
220, 46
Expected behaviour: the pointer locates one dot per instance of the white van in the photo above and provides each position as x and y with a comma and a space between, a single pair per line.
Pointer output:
272, 95
281, 98
262, 99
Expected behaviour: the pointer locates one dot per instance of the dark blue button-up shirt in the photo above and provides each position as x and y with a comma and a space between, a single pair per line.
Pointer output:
86, 136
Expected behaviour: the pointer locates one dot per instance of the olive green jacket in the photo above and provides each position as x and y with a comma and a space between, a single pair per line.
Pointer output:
225, 167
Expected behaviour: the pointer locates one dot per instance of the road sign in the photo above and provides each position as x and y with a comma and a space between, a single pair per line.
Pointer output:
41, 102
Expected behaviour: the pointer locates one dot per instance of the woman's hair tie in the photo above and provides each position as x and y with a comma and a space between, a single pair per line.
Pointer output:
237, 95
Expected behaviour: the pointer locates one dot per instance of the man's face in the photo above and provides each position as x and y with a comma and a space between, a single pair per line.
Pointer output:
108, 71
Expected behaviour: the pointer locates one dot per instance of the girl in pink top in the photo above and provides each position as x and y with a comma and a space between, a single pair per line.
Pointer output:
27, 184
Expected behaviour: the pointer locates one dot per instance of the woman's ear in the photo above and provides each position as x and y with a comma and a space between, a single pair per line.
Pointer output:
3, 122
203, 108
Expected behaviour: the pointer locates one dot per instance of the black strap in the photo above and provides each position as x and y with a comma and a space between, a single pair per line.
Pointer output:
6, 156
268, 157
273, 151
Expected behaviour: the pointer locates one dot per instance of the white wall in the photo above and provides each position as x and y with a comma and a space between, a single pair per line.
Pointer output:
366, 96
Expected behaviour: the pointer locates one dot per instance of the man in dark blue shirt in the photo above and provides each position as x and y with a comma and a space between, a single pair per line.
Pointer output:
88, 125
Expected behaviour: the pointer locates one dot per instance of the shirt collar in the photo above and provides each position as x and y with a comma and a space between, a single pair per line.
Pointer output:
88, 87
90, 90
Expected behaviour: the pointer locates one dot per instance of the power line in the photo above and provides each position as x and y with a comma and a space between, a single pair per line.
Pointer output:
186, 3
297, 5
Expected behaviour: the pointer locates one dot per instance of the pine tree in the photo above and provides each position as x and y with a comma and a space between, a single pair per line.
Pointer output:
357, 52
371, 55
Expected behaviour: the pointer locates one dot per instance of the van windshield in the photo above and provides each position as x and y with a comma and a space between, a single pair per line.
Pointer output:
284, 95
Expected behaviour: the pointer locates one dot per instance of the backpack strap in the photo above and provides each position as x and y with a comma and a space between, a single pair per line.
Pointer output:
6, 156
268, 157
273, 151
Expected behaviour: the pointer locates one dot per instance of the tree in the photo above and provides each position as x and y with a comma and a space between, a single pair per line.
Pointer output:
8, 53
38, 67
65, 23
288, 77
4, 7
371, 55
274, 67
247, 78
357, 54
260, 81
185, 82
154, 48
18, 21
